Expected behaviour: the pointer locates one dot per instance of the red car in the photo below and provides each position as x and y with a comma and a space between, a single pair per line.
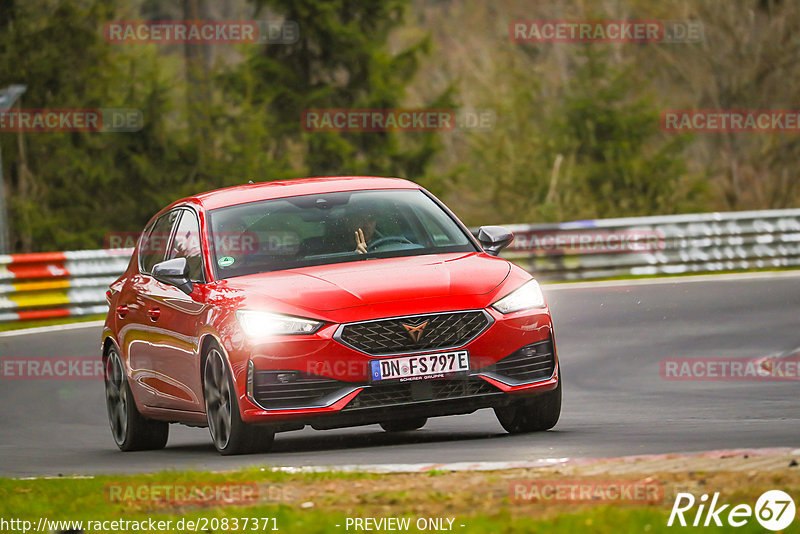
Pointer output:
329, 302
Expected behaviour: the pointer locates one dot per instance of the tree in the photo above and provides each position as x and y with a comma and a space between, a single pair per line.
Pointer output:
340, 60
68, 190
624, 165
749, 60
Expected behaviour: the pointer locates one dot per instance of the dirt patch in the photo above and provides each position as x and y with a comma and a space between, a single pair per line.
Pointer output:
546, 492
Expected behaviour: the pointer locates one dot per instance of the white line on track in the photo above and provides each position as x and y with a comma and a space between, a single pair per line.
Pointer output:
489, 466
53, 328
533, 464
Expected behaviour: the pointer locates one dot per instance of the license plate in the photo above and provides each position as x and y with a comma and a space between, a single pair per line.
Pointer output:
421, 365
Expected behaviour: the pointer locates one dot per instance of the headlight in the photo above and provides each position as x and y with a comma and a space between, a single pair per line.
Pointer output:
260, 324
528, 296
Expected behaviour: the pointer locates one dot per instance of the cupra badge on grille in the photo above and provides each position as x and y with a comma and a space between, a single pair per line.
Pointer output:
416, 331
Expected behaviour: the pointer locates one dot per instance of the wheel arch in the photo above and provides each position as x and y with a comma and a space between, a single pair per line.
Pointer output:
206, 342
109, 342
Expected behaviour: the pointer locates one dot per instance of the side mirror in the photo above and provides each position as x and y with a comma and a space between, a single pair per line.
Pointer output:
174, 272
493, 239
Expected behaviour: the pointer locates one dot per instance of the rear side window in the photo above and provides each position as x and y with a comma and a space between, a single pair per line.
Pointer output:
155, 240
186, 244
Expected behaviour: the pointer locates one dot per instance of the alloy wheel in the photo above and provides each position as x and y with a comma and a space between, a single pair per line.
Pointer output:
116, 397
219, 403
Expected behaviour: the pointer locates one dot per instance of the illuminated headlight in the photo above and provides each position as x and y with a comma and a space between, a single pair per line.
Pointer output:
261, 324
528, 296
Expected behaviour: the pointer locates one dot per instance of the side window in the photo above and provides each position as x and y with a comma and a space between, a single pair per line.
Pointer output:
433, 227
153, 246
186, 244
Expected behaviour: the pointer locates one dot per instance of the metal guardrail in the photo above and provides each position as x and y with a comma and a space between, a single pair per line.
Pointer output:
59, 284
671, 244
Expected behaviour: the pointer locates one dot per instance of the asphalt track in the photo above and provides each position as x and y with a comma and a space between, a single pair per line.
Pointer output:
611, 338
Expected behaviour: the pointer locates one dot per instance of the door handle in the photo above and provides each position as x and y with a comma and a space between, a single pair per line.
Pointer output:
122, 311
154, 313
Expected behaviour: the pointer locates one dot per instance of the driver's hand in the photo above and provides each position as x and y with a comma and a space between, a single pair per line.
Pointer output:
361, 243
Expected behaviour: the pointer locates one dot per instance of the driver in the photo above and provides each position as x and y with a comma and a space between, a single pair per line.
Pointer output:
363, 225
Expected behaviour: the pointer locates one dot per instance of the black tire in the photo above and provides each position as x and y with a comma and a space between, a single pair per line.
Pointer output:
228, 432
532, 415
404, 425
130, 429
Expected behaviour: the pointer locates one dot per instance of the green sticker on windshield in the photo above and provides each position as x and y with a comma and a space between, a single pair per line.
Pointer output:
225, 261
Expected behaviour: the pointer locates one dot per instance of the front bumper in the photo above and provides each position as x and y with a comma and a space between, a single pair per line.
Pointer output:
331, 387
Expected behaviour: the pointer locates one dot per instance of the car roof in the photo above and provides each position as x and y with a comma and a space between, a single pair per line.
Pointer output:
240, 194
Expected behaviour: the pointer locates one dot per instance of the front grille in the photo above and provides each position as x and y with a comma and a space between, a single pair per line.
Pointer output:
290, 389
391, 336
421, 390
530, 363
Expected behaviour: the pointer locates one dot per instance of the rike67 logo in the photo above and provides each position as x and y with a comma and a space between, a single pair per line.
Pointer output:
774, 511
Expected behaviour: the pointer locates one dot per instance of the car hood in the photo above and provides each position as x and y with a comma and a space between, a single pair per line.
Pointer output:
346, 285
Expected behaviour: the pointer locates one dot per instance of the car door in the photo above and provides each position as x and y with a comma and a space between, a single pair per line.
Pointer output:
161, 338
178, 316
137, 333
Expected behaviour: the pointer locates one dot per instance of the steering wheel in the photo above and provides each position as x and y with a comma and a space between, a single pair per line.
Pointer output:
388, 239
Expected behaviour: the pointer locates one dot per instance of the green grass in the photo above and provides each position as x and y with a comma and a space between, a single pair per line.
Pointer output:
87, 499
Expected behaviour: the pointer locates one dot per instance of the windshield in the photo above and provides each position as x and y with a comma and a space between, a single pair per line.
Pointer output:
327, 228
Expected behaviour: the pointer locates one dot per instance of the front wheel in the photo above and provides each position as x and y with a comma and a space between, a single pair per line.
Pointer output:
229, 433
131, 430
532, 415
